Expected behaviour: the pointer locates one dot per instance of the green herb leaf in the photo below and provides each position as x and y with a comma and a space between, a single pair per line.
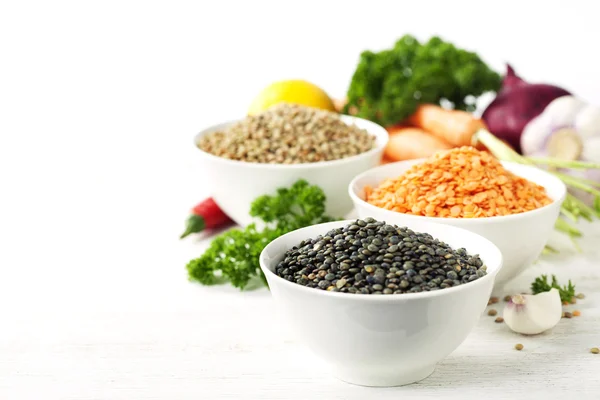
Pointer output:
292, 208
388, 86
541, 284
233, 256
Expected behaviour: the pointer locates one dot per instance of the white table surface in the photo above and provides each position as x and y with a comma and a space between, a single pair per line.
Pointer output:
170, 339
98, 106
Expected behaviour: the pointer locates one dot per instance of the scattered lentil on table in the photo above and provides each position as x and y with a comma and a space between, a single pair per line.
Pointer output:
288, 134
499, 320
519, 346
595, 350
459, 183
507, 298
372, 257
576, 313
492, 312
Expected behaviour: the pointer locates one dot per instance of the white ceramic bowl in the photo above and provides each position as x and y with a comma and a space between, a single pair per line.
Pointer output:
236, 183
383, 340
520, 237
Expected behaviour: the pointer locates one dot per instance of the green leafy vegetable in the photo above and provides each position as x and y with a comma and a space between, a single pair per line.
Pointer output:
567, 292
233, 255
388, 86
292, 208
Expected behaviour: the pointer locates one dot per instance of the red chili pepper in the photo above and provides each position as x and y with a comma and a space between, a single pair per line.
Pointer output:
206, 215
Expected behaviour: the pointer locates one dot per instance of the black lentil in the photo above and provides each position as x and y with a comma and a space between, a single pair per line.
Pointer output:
372, 257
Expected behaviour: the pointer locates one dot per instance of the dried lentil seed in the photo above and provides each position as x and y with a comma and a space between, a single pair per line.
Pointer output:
420, 267
492, 312
288, 134
576, 313
459, 188
595, 350
494, 300
568, 315
499, 320
507, 298
519, 346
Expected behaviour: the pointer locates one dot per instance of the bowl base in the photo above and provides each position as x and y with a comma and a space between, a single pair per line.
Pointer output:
364, 378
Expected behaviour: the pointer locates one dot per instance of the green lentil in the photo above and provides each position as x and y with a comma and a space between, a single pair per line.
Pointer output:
372, 257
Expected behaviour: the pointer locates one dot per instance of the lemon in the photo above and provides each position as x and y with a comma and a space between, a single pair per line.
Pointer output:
291, 91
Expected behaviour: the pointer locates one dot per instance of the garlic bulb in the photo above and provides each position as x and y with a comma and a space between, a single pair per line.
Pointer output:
563, 131
533, 314
568, 129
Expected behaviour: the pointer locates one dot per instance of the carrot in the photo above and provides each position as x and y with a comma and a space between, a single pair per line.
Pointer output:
411, 143
386, 160
393, 129
453, 126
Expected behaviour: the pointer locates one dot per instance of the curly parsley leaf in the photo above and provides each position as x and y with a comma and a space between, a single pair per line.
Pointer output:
233, 256
388, 86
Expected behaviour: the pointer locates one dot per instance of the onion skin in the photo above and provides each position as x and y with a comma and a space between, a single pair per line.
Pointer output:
517, 103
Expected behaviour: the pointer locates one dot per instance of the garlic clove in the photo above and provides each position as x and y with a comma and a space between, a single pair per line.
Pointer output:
533, 314
563, 110
535, 134
587, 122
591, 151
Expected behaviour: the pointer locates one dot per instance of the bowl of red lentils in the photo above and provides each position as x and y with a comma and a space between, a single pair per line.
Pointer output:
256, 155
514, 206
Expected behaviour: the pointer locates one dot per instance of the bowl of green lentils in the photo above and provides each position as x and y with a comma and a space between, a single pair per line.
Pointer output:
253, 156
381, 303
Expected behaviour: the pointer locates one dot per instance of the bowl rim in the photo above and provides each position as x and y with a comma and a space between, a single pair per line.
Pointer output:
374, 129
493, 269
462, 221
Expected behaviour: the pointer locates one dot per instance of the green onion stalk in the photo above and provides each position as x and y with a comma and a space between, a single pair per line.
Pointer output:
572, 209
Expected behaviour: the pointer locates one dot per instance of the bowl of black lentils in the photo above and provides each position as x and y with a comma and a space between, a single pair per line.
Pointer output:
256, 155
381, 303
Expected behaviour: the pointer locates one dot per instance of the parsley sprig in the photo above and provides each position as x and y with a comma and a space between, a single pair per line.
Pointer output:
233, 256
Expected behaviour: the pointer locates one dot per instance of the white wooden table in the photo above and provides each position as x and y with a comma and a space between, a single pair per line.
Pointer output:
160, 337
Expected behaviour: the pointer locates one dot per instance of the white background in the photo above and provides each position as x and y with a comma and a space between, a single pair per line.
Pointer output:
99, 102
